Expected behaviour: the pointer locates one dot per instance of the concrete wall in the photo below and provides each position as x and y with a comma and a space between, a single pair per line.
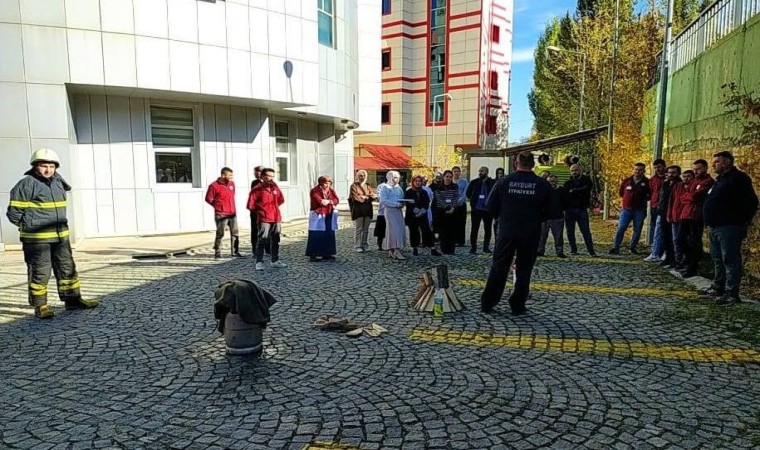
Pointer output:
697, 124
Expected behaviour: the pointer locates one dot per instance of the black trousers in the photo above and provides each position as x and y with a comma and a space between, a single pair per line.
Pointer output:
254, 231
446, 226
223, 222
691, 242
419, 232
460, 221
507, 247
668, 247
476, 216
40, 259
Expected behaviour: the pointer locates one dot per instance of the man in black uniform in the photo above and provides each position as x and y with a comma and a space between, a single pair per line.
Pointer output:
520, 201
38, 208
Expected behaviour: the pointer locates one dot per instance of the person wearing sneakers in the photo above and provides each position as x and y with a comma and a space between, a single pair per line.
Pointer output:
264, 200
729, 208
38, 208
635, 193
655, 226
221, 195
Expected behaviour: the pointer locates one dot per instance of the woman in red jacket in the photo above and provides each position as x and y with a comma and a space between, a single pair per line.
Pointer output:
323, 221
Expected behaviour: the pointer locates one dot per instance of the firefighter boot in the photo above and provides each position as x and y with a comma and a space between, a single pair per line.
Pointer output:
81, 303
43, 312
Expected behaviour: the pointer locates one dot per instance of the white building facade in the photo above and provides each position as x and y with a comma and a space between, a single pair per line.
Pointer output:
146, 100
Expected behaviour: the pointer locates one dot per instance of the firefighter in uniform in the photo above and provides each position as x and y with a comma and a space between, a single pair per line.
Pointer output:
38, 208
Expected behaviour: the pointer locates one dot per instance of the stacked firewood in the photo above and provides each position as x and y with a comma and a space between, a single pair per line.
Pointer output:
432, 282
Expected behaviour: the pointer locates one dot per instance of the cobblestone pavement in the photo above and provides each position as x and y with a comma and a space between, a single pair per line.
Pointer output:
594, 365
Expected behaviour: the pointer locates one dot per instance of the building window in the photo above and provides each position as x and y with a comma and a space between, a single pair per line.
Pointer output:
437, 49
386, 59
283, 151
386, 7
490, 124
494, 81
495, 34
385, 114
326, 22
173, 136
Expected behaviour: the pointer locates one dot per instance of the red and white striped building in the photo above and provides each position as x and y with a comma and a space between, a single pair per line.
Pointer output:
432, 47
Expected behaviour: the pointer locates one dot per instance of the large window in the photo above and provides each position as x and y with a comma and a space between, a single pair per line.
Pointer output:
173, 135
495, 34
326, 22
283, 151
386, 7
437, 49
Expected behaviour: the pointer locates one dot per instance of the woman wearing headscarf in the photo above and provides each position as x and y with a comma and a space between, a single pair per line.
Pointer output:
417, 207
392, 199
445, 203
323, 221
360, 202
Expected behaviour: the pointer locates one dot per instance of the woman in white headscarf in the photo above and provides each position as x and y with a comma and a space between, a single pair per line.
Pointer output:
392, 198
360, 202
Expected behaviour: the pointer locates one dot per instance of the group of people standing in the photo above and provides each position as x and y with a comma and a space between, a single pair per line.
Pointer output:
434, 213
681, 204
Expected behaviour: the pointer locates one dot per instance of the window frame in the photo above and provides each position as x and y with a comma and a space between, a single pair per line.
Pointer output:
290, 155
390, 111
495, 34
389, 4
320, 12
196, 168
389, 51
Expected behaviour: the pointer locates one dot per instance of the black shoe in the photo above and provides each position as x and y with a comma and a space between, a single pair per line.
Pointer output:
487, 250
519, 311
540, 254
592, 254
217, 255
561, 255
473, 251
314, 259
686, 273
237, 255
485, 310
575, 253
728, 300
329, 258
415, 252
710, 292
435, 252
614, 251
634, 251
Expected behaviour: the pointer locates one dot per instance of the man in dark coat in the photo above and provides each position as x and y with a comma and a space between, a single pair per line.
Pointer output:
520, 201
555, 220
477, 192
578, 189
728, 211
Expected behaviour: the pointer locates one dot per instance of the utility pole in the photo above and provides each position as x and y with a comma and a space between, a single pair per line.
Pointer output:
664, 67
611, 108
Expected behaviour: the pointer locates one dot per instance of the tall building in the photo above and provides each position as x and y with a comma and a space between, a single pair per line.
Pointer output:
146, 100
432, 48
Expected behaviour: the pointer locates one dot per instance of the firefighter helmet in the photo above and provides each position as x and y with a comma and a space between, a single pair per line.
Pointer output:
45, 155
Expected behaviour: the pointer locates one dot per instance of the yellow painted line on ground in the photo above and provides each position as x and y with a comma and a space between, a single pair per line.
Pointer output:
565, 287
620, 349
328, 446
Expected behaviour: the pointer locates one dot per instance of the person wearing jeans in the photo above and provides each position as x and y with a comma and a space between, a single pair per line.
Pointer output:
655, 223
635, 193
578, 189
728, 210
265, 200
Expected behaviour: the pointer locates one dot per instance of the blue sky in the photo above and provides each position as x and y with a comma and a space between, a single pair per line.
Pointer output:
531, 17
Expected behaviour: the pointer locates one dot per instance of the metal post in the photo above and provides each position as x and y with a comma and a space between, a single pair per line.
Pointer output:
610, 132
663, 98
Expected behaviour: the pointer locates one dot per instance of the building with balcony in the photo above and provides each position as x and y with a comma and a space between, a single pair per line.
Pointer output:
146, 100
431, 48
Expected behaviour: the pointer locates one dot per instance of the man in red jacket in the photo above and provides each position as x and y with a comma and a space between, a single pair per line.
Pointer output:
635, 192
265, 200
221, 195
655, 228
692, 225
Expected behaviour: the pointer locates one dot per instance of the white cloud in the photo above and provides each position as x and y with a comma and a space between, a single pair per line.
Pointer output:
522, 55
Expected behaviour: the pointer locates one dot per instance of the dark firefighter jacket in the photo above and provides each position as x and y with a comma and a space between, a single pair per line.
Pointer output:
38, 208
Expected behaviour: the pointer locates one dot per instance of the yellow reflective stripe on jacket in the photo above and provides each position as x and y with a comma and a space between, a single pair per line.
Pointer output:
37, 289
43, 205
45, 234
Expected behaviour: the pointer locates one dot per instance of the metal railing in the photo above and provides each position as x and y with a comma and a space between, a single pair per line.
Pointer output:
715, 22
